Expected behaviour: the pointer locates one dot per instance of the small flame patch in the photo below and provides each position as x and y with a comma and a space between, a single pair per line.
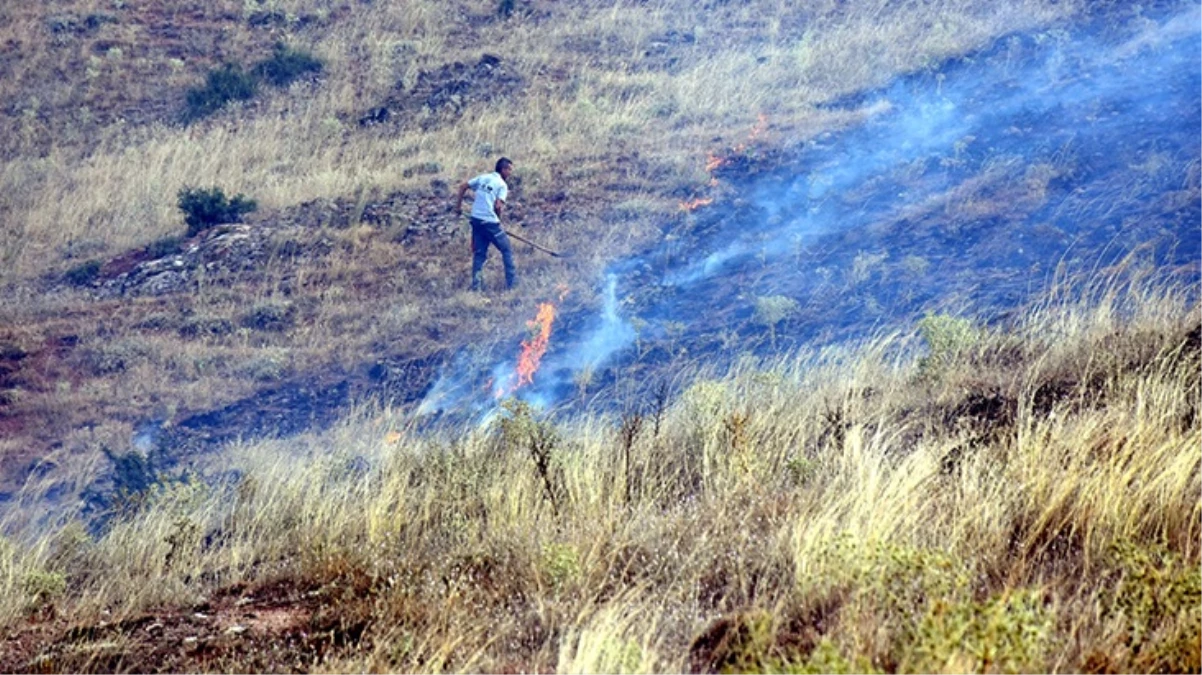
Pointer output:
534, 347
714, 161
693, 204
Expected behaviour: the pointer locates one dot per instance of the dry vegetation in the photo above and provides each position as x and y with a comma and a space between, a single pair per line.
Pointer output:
1002, 500
662, 78
1023, 499
614, 111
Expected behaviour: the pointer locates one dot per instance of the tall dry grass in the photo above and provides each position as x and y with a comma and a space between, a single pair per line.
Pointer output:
594, 84
1015, 499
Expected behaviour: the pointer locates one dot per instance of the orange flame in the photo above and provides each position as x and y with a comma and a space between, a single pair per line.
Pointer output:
534, 348
760, 127
713, 161
693, 204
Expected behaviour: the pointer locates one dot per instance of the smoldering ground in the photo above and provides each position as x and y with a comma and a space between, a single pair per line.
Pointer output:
976, 184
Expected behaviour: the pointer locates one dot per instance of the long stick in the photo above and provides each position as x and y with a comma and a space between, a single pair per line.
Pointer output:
544, 249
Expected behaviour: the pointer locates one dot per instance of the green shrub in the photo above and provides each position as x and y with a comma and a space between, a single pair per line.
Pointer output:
43, 587
116, 356
83, 274
771, 310
226, 84
161, 248
926, 613
132, 472
1157, 599
231, 83
204, 208
1006, 633
947, 337
205, 326
269, 368
561, 563
826, 658
287, 65
269, 316
741, 642
519, 428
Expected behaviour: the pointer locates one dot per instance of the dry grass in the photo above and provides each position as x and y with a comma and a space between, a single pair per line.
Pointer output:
1004, 506
618, 107
592, 90
1027, 501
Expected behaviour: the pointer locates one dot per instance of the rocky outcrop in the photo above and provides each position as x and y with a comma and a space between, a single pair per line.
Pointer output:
229, 248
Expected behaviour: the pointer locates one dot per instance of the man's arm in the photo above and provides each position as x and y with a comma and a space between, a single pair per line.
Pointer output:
498, 206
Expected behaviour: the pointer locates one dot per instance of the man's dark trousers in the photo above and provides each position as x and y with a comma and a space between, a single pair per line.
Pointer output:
483, 234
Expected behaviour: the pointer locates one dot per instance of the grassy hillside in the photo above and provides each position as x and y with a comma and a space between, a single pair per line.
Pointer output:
610, 110
1014, 497
1001, 500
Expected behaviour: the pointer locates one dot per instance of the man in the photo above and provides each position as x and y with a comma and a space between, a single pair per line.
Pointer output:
490, 191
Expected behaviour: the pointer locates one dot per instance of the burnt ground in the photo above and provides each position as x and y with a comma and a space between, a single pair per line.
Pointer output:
972, 231
982, 185
859, 233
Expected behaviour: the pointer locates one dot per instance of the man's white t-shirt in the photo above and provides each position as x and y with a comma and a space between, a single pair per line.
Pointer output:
489, 187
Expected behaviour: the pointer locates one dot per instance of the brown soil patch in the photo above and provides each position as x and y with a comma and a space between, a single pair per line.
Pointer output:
267, 629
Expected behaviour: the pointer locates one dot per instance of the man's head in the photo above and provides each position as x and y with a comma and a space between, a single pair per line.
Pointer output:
505, 167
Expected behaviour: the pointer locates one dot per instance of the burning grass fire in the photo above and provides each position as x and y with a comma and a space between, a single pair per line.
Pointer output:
714, 161
694, 204
533, 348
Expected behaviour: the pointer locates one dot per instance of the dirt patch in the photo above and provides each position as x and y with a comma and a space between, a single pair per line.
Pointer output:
264, 628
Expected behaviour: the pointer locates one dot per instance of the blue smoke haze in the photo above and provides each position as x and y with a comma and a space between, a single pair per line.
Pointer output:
1040, 151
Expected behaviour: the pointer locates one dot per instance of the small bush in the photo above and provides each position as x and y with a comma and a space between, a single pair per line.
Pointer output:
131, 471
1156, 599
947, 337
741, 642
270, 368
229, 83
161, 248
561, 563
771, 310
43, 587
287, 65
1007, 632
205, 326
423, 168
269, 316
519, 427
116, 356
204, 208
83, 274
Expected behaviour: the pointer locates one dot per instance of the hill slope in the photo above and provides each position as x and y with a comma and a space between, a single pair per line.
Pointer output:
743, 185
